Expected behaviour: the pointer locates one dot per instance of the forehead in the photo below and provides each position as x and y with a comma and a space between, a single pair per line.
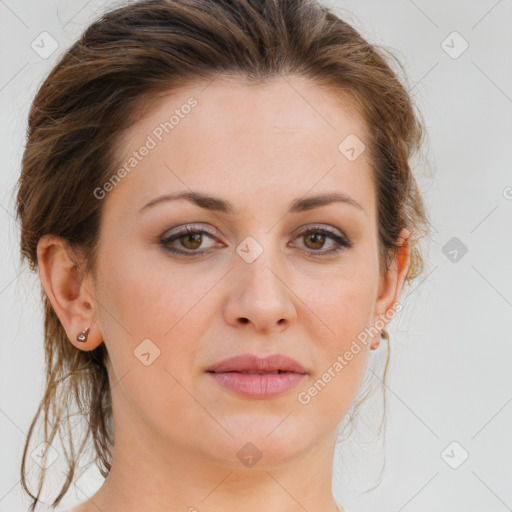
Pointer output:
241, 139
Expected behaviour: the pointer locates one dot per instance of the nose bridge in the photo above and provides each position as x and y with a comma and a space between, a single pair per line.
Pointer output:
260, 267
260, 294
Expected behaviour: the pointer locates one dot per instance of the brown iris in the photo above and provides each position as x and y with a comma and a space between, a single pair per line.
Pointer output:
194, 239
317, 238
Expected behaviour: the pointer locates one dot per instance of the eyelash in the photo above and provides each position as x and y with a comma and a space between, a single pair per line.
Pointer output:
342, 242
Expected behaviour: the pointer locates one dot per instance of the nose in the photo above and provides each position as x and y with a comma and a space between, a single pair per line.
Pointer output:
261, 296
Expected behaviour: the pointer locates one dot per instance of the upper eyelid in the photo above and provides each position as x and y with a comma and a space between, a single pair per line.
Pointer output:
320, 226
213, 232
184, 229
297, 233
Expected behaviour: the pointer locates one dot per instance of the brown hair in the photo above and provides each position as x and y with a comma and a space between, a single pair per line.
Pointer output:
127, 60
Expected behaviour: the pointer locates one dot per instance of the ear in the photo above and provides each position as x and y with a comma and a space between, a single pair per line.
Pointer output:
67, 291
392, 281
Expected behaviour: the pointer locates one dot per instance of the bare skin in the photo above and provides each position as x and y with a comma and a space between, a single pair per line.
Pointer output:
178, 432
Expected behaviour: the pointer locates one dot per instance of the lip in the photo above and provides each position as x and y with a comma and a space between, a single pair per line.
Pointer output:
257, 381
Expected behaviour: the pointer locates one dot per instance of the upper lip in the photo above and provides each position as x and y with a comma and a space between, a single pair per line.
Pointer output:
249, 362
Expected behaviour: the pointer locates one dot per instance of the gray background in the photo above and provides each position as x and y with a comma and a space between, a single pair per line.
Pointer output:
449, 377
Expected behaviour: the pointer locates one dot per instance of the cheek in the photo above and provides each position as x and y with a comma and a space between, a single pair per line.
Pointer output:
342, 361
142, 301
148, 317
344, 303
143, 297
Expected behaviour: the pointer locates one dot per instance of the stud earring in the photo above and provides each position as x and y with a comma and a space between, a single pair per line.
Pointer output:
82, 336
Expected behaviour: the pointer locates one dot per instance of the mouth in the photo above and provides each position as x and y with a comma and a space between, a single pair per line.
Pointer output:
254, 372
261, 378
249, 363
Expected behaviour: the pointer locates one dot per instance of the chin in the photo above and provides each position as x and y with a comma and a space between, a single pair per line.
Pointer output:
263, 444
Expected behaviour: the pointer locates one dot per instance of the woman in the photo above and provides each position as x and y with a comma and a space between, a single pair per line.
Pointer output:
218, 198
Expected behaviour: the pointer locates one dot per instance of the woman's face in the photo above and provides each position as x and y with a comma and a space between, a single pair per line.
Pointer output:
247, 279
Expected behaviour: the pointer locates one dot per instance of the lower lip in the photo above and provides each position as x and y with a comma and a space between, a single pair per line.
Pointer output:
258, 386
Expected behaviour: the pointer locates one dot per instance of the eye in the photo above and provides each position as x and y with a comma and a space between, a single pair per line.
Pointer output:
315, 238
189, 238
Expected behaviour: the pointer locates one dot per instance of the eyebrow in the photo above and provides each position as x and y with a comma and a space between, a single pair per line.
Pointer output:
217, 204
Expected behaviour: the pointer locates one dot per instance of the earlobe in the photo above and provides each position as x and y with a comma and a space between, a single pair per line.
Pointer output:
62, 281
